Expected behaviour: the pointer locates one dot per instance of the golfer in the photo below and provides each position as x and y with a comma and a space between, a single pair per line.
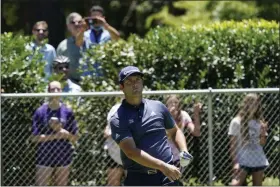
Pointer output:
139, 127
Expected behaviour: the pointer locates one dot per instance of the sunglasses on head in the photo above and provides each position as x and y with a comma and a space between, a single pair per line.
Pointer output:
44, 30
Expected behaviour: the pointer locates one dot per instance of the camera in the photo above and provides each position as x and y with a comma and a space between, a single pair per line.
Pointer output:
91, 20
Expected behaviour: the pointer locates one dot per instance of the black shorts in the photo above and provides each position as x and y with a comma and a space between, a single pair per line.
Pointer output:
252, 169
111, 163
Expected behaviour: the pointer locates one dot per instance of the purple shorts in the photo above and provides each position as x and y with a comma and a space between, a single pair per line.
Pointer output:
54, 154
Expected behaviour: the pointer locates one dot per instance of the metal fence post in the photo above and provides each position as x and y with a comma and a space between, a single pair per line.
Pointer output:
210, 137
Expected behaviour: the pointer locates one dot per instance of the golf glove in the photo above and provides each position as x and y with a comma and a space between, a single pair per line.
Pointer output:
185, 158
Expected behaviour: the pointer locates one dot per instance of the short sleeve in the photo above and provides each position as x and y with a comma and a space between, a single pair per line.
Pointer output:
186, 118
169, 122
35, 123
60, 49
72, 123
120, 131
234, 127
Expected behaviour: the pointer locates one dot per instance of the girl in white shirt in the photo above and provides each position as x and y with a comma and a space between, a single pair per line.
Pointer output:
248, 134
182, 119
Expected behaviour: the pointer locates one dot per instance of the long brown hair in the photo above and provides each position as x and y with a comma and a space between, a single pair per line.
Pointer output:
178, 116
246, 114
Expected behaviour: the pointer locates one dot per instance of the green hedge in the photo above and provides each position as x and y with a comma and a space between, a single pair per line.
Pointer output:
221, 55
226, 55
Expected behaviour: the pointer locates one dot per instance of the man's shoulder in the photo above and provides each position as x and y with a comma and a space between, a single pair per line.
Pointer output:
74, 87
63, 43
151, 102
50, 47
29, 46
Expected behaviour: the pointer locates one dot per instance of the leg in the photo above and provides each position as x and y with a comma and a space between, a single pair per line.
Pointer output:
240, 178
257, 178
115, 176
61, 175
43, 175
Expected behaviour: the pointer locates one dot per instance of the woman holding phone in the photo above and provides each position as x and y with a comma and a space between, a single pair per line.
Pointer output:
53, 129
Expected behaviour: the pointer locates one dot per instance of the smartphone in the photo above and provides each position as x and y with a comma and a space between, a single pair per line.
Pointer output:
54, 119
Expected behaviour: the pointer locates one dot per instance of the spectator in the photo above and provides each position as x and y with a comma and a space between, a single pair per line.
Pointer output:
40, 33
182, 119
139, 127
248, 133
61, 67
54, 129
99, 32
115, 170
68, 46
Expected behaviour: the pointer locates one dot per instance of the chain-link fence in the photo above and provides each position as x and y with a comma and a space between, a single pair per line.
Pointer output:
211, 166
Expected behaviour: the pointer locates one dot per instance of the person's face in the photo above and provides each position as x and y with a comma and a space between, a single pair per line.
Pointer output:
132, 86
55, 87
40, 32
75, 25
96, 14
172, 104
62, 68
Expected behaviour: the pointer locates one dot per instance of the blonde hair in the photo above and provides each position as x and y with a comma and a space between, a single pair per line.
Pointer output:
178, 117
246, 115
43, 23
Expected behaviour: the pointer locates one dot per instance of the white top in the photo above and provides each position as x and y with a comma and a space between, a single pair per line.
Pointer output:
110, 144
71, 87
186, 119
251, 153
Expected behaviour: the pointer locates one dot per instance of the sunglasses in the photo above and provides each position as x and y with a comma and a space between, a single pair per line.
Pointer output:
76, 22
62, 67
44, 30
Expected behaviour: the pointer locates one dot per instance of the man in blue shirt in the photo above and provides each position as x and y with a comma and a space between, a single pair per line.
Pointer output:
139, 127
98, 32
40, 34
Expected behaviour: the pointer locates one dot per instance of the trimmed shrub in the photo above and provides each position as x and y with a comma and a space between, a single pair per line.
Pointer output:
222, 55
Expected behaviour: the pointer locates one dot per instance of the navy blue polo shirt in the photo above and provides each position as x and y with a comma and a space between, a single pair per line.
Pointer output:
146, 124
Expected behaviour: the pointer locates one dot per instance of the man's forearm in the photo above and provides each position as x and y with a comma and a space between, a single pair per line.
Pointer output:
43, 138
115, 35
180, 140
145, 159
73, 138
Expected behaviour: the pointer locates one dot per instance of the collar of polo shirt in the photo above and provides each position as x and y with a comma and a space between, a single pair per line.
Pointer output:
133, 106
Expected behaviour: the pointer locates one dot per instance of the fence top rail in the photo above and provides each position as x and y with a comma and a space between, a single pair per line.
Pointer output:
159, 92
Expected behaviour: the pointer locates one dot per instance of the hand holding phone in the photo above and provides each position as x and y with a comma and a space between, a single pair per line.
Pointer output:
55, 124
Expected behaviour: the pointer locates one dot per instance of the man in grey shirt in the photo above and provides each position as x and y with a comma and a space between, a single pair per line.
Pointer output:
68, 46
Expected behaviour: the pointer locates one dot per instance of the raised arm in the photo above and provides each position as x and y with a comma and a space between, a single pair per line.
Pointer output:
264, 134
194, 127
